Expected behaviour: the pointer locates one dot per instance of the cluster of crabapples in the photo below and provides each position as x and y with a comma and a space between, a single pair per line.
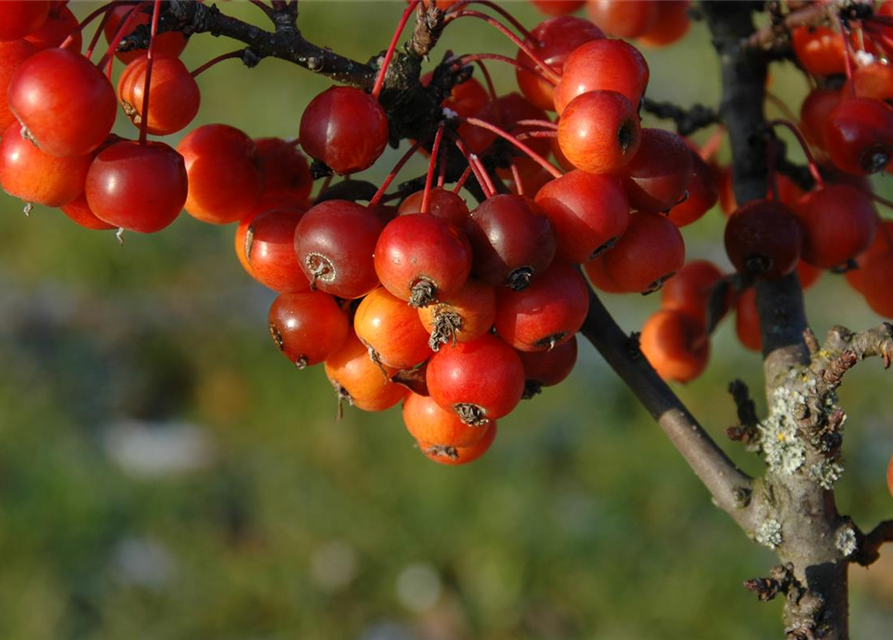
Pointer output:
457, 313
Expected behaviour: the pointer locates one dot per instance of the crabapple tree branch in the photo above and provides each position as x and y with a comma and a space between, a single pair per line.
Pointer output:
730, 487
869, 545
687, 121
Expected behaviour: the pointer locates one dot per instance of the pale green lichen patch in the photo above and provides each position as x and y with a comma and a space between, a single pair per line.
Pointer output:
784, 448
845, 541
769, 534
826, 473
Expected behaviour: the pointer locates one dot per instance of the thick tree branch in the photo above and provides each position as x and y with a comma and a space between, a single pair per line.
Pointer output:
729, 486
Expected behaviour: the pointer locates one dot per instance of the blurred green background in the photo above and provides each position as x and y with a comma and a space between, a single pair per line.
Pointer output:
165, 473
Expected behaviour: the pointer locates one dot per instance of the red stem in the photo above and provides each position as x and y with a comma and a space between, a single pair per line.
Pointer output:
501, 11
516, 176
150, 61
441, 175
210, 63
547, 70
123, 29
536, 134
520, 145
383, 71
479, 171
432, 165
393, 174
813, 167
99, 29
462, 179
474, 57
90, 18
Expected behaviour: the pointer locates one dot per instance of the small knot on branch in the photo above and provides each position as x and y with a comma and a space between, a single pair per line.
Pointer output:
833, 375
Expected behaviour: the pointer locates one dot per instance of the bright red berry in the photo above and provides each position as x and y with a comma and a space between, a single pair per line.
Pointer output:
599, 131
602, 65
307, 327
650, 252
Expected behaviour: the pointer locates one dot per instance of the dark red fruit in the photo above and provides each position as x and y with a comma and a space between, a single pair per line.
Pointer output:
545, 314
650, 251
598, 276
876, 278
428, 422
656, 178
307, 327
28, 173
137, 187
839, 222
671, 24
690, 289
589, 213
55, 29
820, 50
859, 135
12, 54
224, 182
623, 18
79, 211
602, 65
481, 380
701, 194
557, 7
175, 94
64, 101
764, 238
548, 368
512, 239
553, 41
391, 330
334, 243
747, 320
599, 131
169, 43
21, 17
284, 169
443, 204
814, 113
676, 345
345, 129
265, 245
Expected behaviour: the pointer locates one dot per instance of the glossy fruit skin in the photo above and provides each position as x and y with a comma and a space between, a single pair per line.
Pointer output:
265, 245
548, 368
510, 237
671, 24
689, 291
283, 168
656, 178
473, 308
21, 17
557, 7
55, 29
859, 135
442, 203
338, 237
169, 43
137, 187
820, 50
602, 65
428, 422
764, 238
747, 320
486, 373
623, 19
419, 247
28, 173
352, 372
392, 329
588, 211
553, 41
598, 276
79, 211
224, 183
455, 456
839, 222
676, 345
12, 54
648, 253
175, 94
814, 113
345, 129
545, 314
876, 278
65, 102
883, 240
599, 132
702, 194
307, 327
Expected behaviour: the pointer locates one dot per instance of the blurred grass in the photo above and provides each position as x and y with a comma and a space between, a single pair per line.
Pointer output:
582, 521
